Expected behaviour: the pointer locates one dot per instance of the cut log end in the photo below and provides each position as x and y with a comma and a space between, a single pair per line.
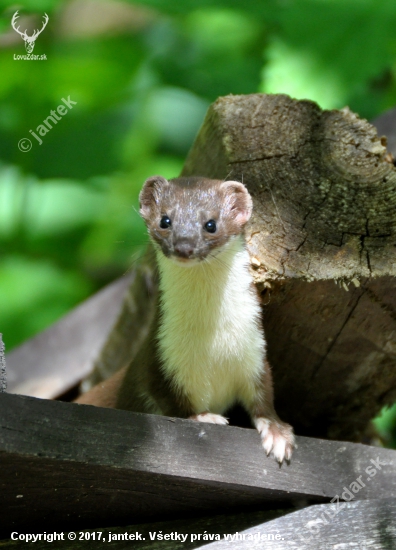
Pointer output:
322, 182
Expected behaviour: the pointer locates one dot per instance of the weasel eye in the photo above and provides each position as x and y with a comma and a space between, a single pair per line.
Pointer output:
165, 222
210, 226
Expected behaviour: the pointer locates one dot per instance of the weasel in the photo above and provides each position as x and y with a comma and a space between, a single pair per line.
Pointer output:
207, 350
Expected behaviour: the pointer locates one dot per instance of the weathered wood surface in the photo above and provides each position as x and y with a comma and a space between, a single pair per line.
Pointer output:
58, 358
67, 464
322, 241
136, 311
323, 185
368, 525
362, 525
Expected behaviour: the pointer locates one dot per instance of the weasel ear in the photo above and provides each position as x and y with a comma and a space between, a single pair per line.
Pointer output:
150, 194
240, 201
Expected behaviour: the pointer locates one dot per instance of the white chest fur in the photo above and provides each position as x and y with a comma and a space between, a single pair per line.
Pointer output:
210, 340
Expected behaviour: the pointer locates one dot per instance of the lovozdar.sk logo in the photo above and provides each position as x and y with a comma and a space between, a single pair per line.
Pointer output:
29, 40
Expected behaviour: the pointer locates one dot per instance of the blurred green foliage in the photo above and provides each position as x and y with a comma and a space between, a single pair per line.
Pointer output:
385, 425
142, 75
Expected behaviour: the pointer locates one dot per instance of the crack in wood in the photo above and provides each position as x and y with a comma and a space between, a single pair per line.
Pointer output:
264, 157
385, 307
363, 248
301, 244
334, 341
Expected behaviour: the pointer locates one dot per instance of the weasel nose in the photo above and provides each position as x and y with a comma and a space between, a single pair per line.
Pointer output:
184, 249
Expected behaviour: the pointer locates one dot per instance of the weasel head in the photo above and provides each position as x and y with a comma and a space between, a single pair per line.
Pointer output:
193, 219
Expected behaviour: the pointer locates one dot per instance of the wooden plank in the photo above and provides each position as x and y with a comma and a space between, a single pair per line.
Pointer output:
58, 358
360, 525
72, 464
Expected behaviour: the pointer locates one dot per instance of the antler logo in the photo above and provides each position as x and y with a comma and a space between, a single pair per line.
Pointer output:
29, 40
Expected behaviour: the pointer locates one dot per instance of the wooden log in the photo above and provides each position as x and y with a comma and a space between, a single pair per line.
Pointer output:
74, 466
322, 243
136, 310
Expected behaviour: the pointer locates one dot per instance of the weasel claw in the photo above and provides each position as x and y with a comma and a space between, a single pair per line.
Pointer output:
277, 438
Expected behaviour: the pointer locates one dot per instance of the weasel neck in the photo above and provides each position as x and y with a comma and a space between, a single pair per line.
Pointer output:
207, 279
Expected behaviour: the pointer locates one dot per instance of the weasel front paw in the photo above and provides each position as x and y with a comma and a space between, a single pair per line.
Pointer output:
209, 417
277, 437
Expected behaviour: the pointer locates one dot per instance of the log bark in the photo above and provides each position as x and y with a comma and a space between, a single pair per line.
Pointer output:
322, 244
